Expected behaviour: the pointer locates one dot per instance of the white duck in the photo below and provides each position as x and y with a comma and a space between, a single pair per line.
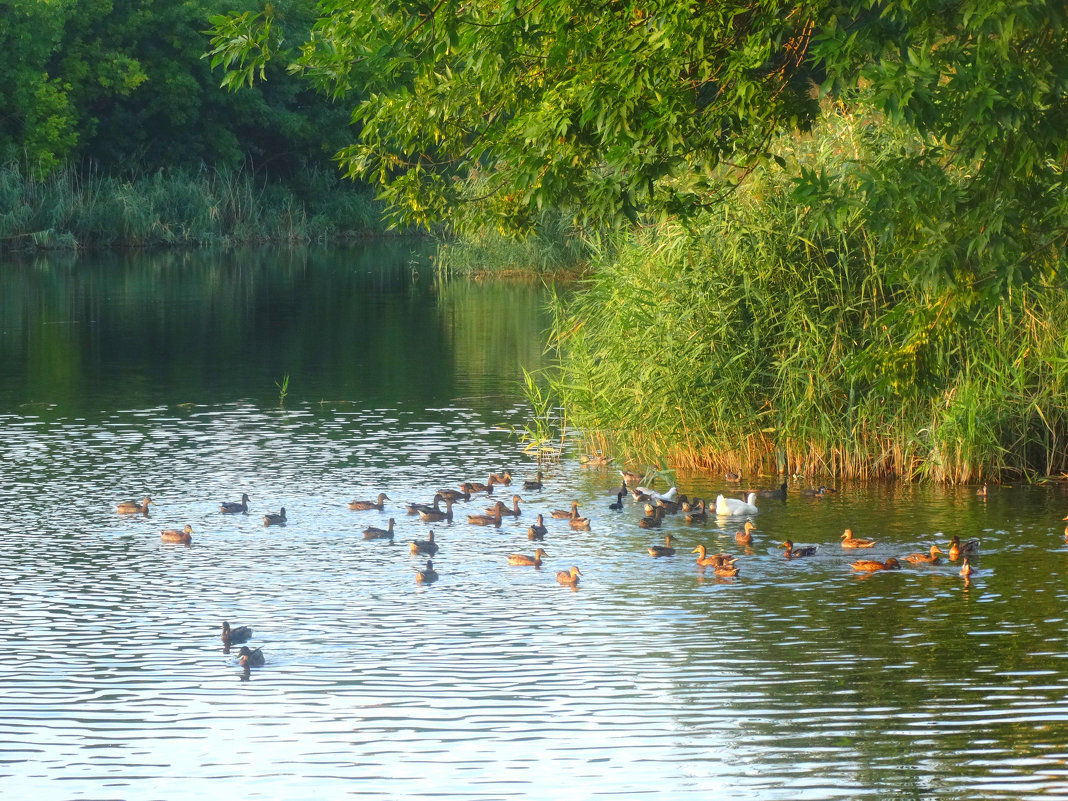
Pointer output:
730, 507
670, 495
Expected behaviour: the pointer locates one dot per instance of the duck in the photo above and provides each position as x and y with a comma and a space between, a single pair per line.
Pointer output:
630, 477
538, 530
578, 523
463, 494
698, 515
363, 506
849, 541
230, 508
416, 508
435, 515
133, 507
773, 493
486, 488
725, 571
641, 494
930, 558
815, 492
505, 511
569, 576
671, 507
733, 506
958, 549
174, 535
374, 533
235, 636
671, 495
275, 520
716, 559
793, 552
533, 484
504, 479
561, 514
732, 477
249, 658
486, 520
662, 550
618, 504
871, 565
653, 520
966, 569
981, 491
745, 536
427, 575
427, 546
522, 560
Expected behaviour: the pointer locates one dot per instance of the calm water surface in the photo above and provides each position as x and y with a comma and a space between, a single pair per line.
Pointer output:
796, 680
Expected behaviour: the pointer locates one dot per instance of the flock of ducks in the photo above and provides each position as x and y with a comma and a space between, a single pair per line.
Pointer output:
657, 506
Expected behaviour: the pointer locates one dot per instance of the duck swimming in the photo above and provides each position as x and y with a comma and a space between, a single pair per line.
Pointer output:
374, 533
562, 514
577, 523
416, 508
249, 658
730, 507
427, 575
930, 558
435, 515
486, 520
427, 546
698, 515
513, 512
715, 560
797, 552
652, 520
569, 576
133, 507
745, 537
958, 549
779, 493
662, 550
871, 565
522, 560
275, 520
363, 506
173, 535
456, 496
816, 492
504, 479
849, 541
235, 636
966, 569
538, 530
230, 508
534, 484
618, 502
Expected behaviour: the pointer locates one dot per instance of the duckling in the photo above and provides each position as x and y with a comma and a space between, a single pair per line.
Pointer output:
793, 552
569, 576
427, 546
513, 512
235, 636
486, 520
363, 506
521, 559
745, 537
966, 569
561, 514
538, 530
427, 575
230, 508
653, 520
618, 502
849, 541
174, 535
715, 560
416, 508
958, 549
871, 565
275, 520
578, 523
464, 494
925, 558
698, 515
533, 484
133, 507
373, 533
435, 515
662, 550
249, 658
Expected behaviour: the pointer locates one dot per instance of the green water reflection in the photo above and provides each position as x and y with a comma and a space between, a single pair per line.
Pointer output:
365, 324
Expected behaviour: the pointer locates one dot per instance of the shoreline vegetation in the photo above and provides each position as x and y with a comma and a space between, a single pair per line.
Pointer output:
72, 209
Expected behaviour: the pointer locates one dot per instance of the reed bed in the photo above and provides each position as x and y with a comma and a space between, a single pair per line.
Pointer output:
756, 340
76, 209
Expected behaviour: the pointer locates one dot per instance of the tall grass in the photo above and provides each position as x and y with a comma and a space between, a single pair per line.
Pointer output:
75, 209
758, 340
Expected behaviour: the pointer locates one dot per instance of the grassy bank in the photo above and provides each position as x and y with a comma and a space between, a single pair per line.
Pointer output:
762, 339
83, 209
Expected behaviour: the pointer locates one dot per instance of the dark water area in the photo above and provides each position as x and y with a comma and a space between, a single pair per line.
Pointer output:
797, 679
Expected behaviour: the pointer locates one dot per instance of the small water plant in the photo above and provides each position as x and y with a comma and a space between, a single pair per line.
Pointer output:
283, 389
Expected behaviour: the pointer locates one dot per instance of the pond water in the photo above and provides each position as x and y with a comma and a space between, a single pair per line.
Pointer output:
159, 375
